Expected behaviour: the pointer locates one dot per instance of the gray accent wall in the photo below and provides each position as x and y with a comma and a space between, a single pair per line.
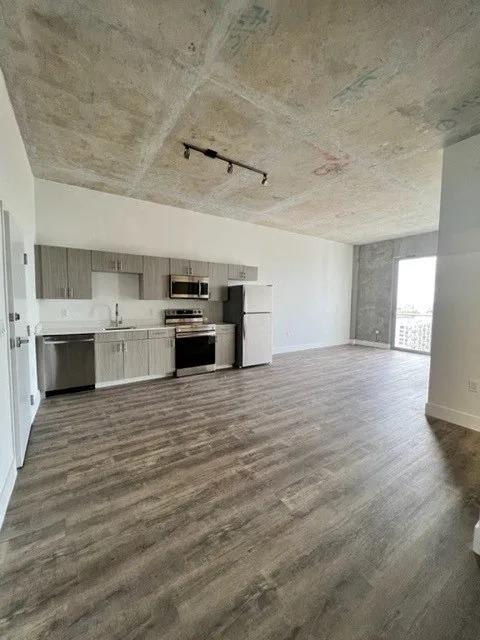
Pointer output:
374, 281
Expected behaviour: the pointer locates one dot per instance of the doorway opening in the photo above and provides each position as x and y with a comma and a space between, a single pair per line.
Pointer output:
414, 304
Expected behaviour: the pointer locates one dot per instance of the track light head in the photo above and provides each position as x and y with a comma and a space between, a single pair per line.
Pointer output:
230, 168
265, 180
186, 152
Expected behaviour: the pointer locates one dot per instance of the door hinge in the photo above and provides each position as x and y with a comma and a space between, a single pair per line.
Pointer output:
25, 258
32, 399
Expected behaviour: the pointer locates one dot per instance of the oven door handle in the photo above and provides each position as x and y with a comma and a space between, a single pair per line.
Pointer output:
199, 334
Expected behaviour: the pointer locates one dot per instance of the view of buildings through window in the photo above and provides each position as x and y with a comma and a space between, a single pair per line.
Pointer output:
416, 286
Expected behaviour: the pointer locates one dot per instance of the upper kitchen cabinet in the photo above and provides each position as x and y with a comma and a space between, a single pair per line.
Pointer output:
199, 268
107, 261
79, 268
182, 267
242, 272
218, 281
104, 261
154, 283
63, 273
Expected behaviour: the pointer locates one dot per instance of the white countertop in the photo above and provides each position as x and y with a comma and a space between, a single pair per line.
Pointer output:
74, 327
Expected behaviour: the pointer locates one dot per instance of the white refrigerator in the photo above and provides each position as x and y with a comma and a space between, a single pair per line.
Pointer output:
249, 307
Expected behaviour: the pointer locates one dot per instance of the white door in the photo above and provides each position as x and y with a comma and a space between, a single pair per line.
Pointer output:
257, 298
257, 339
18, 333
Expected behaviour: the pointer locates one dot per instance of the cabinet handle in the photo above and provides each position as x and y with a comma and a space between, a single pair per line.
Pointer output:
71, 292
65, 292
124, 347
120, 265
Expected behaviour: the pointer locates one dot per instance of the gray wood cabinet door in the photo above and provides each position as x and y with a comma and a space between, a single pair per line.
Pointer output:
251, 273
79, 267
155, 281
135, 358
104, 261
242, 272
225, 348
107, 261
52, 274
179, 267
218, 281
161, 356
199, 268
235, 271
108, 361
129, 263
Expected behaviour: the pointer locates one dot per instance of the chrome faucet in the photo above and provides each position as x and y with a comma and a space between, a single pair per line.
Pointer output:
117, 320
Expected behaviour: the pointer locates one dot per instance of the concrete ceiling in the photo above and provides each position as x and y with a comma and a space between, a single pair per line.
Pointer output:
346, 104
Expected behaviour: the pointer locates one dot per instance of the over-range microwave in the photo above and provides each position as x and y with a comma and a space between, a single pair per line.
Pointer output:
189, 287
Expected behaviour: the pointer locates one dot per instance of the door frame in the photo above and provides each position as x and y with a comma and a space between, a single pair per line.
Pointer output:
393, 314
8, 228
11, 372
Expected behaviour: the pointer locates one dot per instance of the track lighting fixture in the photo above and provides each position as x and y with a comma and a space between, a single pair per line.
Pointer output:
211, 153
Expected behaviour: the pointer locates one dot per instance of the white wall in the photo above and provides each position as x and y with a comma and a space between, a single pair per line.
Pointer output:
311, 277
456, 334
17, 196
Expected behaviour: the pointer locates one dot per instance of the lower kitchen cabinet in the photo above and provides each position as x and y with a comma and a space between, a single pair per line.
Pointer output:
135, 358
225, 346
121, 356
108, 361
161, 356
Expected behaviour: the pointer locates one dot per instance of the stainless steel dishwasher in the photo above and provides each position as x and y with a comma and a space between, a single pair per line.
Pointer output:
68, 363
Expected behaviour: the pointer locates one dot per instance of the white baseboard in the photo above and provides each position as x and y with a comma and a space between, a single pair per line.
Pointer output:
116, 383
476, 539
305, 347
461, 418
367, 343
6, 491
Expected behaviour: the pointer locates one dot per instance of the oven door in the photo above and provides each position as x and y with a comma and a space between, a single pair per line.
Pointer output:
194, 353
184, 287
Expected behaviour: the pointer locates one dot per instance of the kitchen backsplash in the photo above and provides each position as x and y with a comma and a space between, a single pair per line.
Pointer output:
109, 288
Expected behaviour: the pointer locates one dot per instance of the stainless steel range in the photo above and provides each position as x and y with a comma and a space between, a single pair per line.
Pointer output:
194, 341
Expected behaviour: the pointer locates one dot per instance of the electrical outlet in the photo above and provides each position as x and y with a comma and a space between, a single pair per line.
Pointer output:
473, 385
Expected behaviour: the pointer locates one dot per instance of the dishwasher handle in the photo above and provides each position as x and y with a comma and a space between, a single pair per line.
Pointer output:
53, 341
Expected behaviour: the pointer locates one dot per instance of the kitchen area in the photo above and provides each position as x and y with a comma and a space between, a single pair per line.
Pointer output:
201, 317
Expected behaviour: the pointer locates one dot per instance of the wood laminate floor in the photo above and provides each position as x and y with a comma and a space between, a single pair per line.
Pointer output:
306, 500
